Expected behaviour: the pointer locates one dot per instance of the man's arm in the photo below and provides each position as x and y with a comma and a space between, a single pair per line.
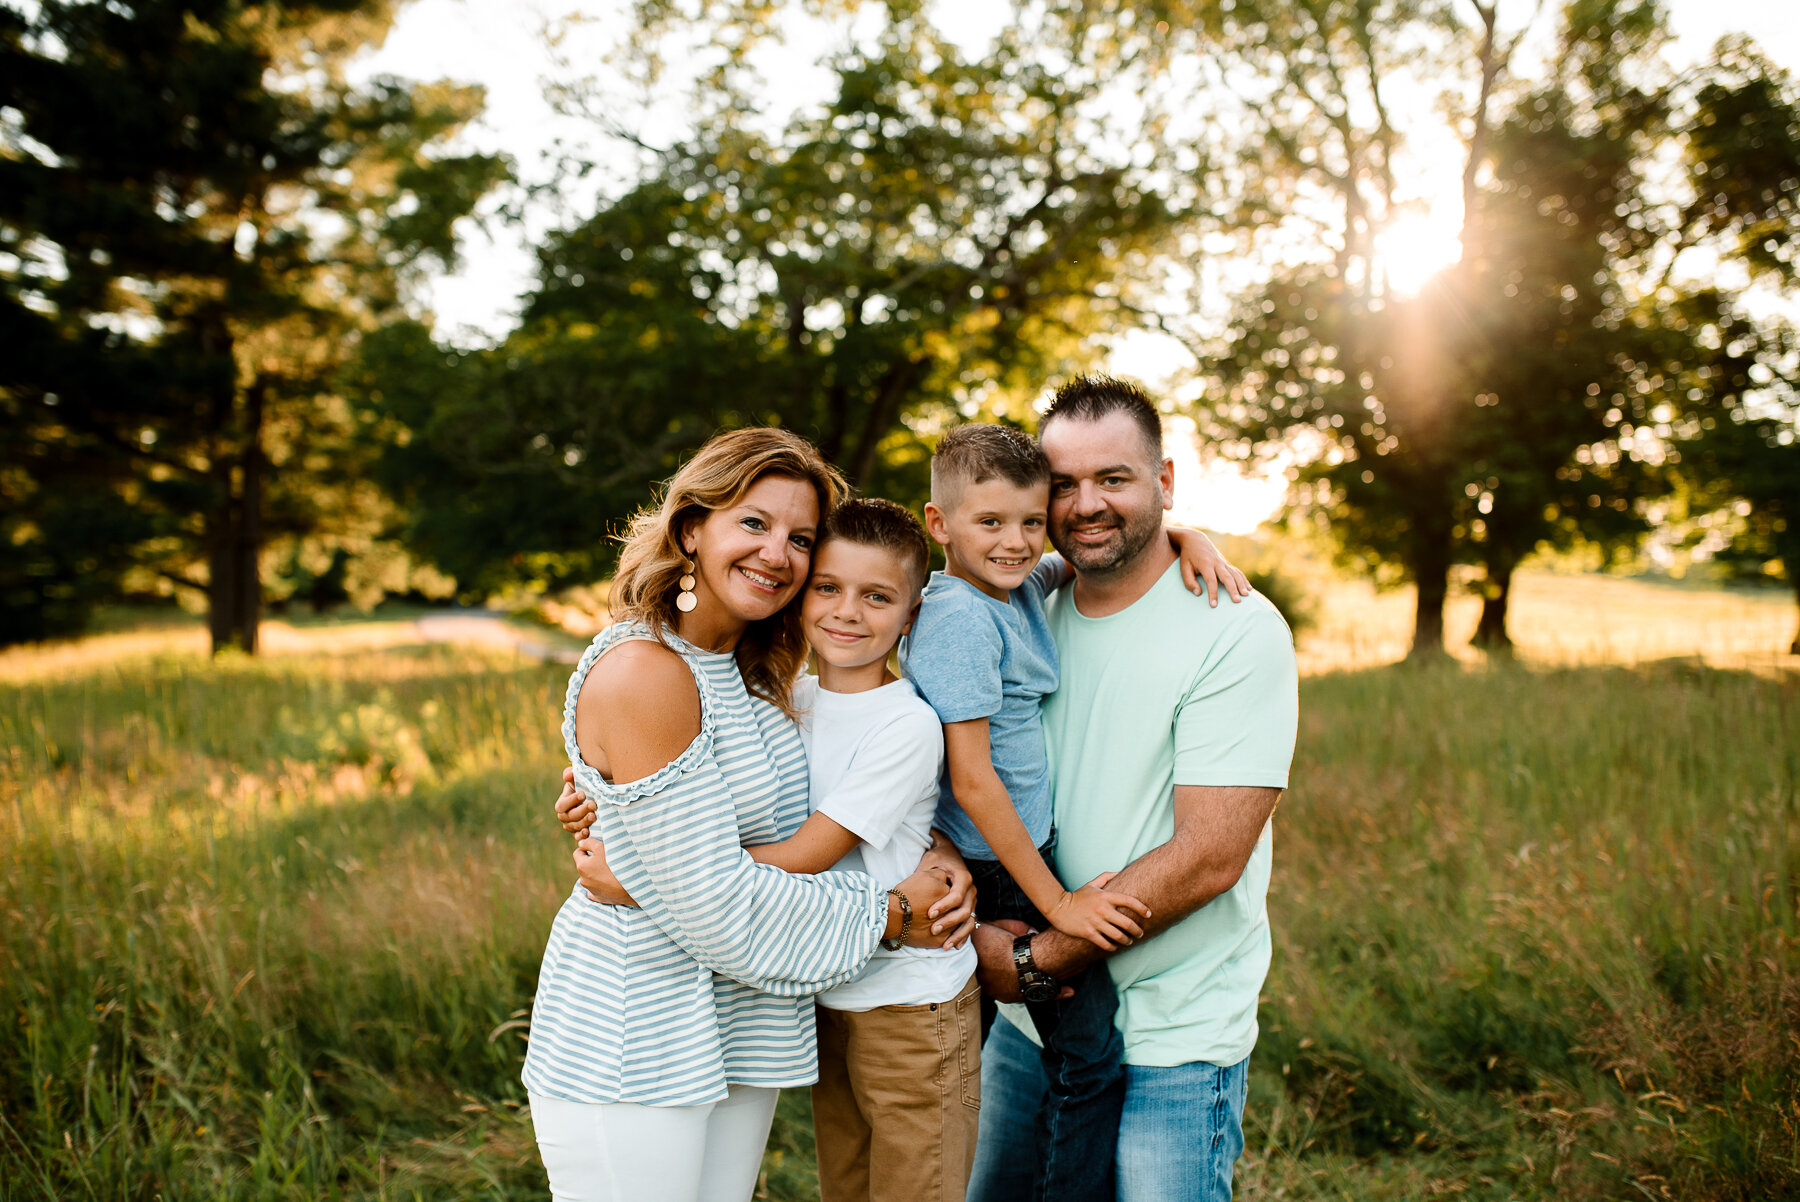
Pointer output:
1216, 829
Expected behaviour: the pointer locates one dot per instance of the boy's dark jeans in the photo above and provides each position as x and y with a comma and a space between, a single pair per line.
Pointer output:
1078, 1125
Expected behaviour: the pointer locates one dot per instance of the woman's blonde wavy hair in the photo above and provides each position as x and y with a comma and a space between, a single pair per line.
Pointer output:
771, 652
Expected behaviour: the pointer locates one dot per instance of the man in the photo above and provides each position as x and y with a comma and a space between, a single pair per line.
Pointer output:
1169, 736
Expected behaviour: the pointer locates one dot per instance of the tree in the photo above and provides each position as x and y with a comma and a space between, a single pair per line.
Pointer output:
1525, 396
938, 235
201, 216
1743, 442
1742, 417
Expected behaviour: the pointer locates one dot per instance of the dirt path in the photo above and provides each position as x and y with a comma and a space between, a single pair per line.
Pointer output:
184, 639
490, 630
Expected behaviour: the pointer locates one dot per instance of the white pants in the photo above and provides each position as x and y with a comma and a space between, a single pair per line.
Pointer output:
624, 1152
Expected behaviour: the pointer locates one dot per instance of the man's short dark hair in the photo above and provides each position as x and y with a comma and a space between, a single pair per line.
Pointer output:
877, 522
972, 453
1091, 398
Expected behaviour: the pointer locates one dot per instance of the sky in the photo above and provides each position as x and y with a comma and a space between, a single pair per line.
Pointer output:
501, 44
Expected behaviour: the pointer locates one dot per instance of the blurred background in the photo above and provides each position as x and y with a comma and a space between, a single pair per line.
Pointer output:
315, 304
337, 339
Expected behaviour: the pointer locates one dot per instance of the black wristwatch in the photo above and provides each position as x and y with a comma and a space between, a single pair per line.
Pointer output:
1034, 983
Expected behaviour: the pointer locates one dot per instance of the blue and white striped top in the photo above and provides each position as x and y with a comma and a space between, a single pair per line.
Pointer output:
710, 983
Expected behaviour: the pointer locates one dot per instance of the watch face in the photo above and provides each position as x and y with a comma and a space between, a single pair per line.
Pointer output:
1039, 991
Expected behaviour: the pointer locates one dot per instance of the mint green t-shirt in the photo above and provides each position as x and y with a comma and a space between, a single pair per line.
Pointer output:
1170, 691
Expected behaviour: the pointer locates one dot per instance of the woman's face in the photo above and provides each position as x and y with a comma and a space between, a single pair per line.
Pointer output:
751, 558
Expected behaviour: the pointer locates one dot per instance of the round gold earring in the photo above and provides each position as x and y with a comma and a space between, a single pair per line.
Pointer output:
685, 599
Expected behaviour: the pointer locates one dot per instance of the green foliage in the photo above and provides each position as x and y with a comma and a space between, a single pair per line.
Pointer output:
1742, 439
199, 216
1286, 593
940, 235
1525, 398
1741, 435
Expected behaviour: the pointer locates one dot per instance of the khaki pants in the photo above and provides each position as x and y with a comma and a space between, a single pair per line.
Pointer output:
895, 1107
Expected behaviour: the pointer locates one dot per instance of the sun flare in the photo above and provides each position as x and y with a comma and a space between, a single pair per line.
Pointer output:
1413, 249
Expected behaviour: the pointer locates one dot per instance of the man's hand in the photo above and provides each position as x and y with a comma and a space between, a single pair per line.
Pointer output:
573, 809
994, 970
1217, 827
596, 877
993, 949
954, 914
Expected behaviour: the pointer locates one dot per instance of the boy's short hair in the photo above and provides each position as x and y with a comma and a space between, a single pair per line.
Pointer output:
877, 522
972, 453
1091, 398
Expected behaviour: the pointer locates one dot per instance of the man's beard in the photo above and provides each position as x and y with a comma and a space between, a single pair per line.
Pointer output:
1133, 535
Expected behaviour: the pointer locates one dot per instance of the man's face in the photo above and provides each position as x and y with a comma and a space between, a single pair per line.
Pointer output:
1107, 492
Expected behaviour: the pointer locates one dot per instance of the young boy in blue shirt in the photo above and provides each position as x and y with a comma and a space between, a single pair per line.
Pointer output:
981, 653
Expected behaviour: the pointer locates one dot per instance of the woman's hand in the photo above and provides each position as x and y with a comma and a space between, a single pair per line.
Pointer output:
573, 809
954, 914
596, 877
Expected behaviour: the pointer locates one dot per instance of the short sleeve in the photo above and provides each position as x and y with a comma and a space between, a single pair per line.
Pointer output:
953, 659
1237, 722
893, 767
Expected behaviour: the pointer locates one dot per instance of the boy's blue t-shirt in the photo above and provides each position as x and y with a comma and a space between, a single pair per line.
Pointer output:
971, 656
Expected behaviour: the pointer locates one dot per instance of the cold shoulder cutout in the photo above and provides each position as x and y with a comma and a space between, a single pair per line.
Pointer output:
642, 692
593, 783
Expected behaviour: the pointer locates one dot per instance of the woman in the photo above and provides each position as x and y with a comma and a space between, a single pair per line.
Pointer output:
661, 1035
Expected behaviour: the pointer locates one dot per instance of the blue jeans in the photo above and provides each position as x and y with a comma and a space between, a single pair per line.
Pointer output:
1075, 1128
1180, 1133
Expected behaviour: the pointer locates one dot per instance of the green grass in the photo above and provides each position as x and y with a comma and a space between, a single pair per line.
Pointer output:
268, 929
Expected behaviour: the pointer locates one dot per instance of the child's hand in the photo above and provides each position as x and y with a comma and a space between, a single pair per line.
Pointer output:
573, 809
1200, 560
1101, 917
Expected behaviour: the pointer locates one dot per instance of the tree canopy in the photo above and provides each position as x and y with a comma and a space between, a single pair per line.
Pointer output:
216, 383
1529, 393
199, 216
937, 237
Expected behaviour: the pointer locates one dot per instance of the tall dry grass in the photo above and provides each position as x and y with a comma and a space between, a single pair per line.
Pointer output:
1536, 937
1558, 619
270, 928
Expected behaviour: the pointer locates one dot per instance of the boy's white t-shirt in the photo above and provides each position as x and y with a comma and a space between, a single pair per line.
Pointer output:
875, 758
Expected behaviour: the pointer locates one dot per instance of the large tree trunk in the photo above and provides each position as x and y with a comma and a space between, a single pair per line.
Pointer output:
247, 551
1431, 570
234, 526
234, 584
1490, 632
221, 580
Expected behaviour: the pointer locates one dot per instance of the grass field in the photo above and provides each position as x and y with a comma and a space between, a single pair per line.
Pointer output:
269, 929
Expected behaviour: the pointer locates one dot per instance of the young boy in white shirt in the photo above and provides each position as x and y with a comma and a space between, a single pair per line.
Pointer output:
895, 1106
